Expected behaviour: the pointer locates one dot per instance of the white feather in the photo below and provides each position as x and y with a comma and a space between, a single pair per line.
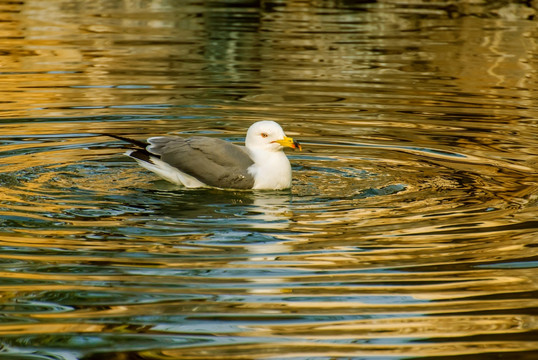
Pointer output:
168, 172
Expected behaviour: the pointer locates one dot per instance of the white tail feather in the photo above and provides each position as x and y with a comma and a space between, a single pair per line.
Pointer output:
168, 172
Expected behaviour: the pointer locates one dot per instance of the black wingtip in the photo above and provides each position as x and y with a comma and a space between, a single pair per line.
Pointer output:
141, 144
141, 154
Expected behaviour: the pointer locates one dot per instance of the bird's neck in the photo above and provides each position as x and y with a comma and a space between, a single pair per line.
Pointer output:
271, 169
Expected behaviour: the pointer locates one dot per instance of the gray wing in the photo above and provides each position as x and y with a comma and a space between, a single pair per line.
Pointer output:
214, 162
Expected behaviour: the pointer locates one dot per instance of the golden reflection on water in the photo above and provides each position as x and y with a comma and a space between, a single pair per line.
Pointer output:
410, 230
422, 256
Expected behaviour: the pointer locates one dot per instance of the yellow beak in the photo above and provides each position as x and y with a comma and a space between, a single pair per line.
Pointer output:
289, 142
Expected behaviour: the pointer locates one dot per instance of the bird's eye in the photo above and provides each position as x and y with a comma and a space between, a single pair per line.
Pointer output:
264, 135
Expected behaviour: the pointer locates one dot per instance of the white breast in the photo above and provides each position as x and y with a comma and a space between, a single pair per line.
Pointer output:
271, 170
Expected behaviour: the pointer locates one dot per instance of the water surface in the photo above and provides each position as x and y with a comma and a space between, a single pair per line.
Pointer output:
410, 230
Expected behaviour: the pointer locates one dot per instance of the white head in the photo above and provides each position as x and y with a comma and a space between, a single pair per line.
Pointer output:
268, 135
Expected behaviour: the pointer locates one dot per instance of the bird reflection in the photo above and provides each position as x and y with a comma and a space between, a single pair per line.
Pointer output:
264, 210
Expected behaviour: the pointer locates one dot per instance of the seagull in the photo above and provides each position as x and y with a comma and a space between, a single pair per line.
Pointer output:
210, 162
